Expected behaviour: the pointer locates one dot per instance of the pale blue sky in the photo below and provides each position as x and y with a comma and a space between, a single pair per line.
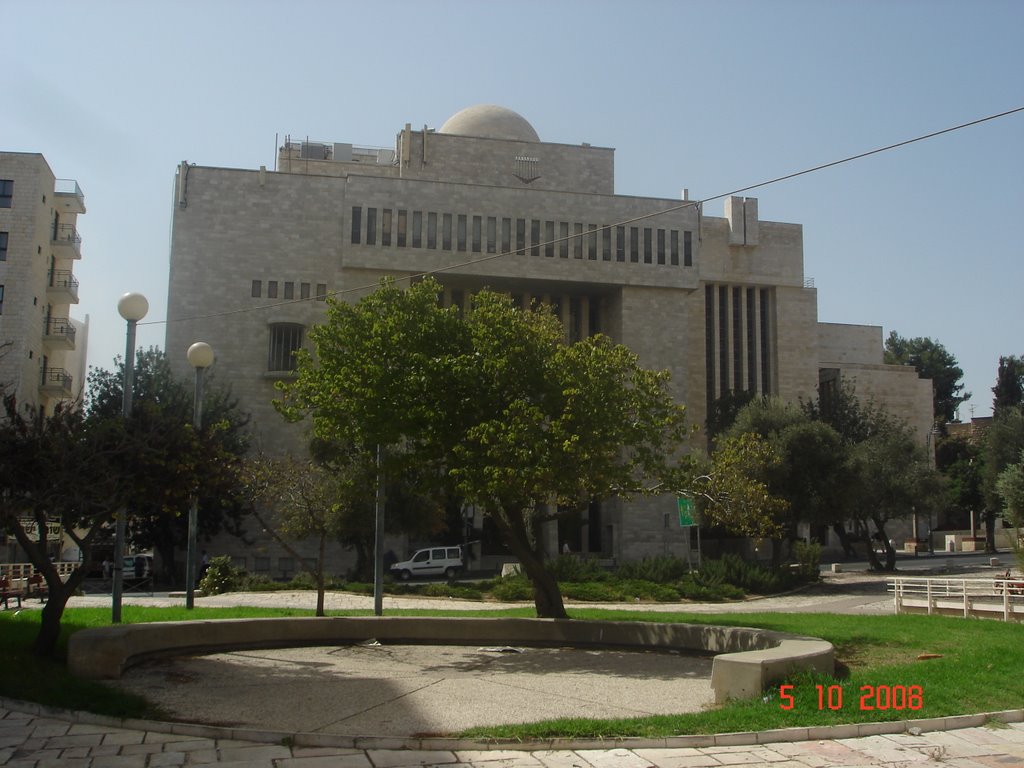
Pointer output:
710, 96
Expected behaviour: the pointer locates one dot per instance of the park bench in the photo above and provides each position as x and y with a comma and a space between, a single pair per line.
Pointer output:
8, 590
37, 587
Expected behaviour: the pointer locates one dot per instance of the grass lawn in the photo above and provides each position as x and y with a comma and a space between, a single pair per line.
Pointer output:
877, 665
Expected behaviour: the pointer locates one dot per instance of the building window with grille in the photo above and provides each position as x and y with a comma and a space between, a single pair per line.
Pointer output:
371, 226
446, 232
6, 192
3, 246
673, 237
321, 291
289, 290
357, 223
461, 234
431, 230
417, 229
303, 290
687, 249
385, 227
257, 288
272, 289
285, 341
403, 221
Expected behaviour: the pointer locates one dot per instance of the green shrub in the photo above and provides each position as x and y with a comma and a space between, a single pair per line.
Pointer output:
513, 588
258, 582
688, 589
748, 576
573, 568
660, 570
808, 558
591, 591
221, 576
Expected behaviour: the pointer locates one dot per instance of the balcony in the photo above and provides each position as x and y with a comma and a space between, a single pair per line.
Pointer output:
56, 382
59, 333
62, 287
67, 242
69, 195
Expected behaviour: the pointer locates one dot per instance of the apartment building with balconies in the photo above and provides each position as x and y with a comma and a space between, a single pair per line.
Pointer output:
41, 346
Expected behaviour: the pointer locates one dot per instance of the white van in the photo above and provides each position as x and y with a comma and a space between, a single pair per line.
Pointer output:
434, 561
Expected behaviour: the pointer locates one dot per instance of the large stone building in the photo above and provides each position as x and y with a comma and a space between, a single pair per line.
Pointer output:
42, 349
43, 360
722, 303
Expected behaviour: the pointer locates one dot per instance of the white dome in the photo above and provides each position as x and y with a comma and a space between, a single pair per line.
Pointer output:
488, 121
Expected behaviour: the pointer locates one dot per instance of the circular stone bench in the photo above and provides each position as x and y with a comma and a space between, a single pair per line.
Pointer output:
746, 662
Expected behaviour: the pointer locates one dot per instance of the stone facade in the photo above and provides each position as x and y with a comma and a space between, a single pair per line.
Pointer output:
39, 245
720, 302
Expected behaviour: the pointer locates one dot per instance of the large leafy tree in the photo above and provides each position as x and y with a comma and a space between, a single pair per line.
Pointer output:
1004, 441
67, 468
495, 408
933, 361
961, 461
555, 426
894, 480
1009, 389
1010, 486
303, 500
178, 462
811, 471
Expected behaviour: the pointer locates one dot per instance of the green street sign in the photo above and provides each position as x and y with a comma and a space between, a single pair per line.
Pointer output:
685, 511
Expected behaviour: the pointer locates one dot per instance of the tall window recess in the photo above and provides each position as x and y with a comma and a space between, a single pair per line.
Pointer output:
6, 192
357, 221
285, 341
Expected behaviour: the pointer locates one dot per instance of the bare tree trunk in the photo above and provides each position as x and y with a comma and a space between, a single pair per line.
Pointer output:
320, 563
990, 532
547, 597
844, 539
60, 592
890, 553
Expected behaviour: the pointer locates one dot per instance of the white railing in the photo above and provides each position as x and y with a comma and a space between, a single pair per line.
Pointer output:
992, 598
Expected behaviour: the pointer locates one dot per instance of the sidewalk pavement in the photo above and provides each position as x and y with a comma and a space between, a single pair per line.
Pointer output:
31, 738
34, 736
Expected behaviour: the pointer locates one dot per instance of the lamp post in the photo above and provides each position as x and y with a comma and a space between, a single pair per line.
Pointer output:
132, 307
200, 357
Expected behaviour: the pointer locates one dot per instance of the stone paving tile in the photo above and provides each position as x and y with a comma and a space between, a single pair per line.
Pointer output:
336, 760
165, 759
123, 737
613, 758
678, 758
45, 729
103, 750
78, 740
252, 752
203, 756
139, 749
495, 756
393, 758
122, 761
883, 749
561, 758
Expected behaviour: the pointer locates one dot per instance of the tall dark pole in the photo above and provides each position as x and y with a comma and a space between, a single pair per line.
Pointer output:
378, 541
200, 356
132, 307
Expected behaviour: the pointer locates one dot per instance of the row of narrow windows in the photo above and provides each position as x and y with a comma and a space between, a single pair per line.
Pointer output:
286, 290
738, 338
489, 234
580, 316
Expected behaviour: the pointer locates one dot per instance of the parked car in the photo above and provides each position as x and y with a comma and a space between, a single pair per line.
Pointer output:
433, 561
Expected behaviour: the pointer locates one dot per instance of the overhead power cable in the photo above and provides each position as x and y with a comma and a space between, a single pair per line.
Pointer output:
642, 217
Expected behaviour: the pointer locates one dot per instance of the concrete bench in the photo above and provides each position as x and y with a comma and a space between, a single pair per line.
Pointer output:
746, 660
